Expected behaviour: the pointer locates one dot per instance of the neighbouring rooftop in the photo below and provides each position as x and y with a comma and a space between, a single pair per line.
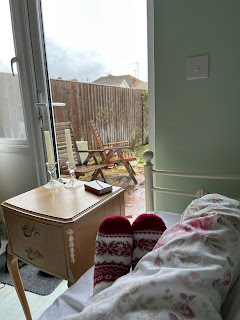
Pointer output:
125, 81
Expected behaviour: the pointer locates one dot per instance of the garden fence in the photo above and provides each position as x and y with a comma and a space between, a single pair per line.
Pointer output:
120, 113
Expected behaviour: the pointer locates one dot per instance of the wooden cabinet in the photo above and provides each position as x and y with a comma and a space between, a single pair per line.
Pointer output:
33, 231
55, 231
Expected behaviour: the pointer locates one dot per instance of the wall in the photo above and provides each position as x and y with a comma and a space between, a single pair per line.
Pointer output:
197, 122
17, 173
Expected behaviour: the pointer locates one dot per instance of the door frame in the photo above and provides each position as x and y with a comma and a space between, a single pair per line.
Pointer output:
34, 82
151, 74
41, 70
151, 82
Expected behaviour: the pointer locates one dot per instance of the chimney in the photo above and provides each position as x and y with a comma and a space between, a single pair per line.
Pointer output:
134, 81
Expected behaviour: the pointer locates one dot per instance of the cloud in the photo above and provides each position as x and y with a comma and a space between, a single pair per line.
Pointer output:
85, 65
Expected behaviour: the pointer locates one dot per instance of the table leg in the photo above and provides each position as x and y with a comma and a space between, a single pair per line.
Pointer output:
12, 262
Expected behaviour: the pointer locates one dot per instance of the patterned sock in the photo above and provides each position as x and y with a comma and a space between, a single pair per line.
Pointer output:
113, 251
147, 229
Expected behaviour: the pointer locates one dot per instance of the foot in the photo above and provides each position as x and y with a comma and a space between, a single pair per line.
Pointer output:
147, 229
113, 251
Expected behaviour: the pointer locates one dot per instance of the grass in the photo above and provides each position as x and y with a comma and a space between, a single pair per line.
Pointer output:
139, 152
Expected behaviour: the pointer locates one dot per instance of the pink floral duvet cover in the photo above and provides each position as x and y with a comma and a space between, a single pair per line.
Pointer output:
187, 275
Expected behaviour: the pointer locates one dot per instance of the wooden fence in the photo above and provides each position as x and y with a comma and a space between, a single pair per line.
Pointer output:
118, 112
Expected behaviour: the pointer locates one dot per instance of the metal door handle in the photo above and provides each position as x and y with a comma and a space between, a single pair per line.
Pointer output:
13, 60
33, 233
33, 255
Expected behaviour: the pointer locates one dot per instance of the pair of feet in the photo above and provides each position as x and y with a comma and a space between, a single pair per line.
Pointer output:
120, 245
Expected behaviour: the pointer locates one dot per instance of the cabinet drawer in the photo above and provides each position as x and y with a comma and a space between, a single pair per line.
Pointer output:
39, 256
35, 232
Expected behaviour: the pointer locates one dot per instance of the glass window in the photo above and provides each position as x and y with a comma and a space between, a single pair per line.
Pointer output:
12, 124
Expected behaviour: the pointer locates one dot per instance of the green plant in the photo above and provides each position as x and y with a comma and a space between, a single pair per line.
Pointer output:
134, 140
139, 152
145, 117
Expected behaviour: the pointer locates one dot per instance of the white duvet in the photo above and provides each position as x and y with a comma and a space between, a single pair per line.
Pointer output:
188, 274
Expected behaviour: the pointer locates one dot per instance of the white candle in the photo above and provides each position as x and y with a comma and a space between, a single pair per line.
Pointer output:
69, 146
48, 147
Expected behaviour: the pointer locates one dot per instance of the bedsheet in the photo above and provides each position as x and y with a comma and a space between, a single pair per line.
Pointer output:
74, 299
77, 296
187, 275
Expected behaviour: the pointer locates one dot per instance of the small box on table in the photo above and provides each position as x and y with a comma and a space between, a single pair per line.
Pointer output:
98, 187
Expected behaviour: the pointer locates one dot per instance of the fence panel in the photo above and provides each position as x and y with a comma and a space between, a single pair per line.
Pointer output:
118, 112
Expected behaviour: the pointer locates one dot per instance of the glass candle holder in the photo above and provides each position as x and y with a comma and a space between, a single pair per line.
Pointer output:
53, 183
73, 182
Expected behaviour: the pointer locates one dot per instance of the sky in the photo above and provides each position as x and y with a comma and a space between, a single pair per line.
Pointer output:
7, 48
88, 39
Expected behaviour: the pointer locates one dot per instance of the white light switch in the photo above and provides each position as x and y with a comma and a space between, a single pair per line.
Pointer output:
197, 67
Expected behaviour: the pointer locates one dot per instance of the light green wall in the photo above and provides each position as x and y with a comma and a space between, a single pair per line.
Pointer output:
197, 121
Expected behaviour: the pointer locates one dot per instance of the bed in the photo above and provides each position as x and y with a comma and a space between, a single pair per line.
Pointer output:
77, 296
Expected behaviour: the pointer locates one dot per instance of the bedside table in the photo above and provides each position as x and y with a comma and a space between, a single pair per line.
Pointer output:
55, 231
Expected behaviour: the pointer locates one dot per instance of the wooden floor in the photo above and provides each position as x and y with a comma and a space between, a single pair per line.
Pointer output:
10, 307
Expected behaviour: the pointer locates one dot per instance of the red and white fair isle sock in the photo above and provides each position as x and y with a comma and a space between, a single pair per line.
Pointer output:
113, 251
147, 229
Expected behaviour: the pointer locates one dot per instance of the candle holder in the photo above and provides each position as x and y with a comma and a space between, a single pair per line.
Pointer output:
73, 183
53, 183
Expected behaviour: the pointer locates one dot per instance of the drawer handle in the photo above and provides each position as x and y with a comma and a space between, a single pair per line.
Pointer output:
33, 255
33, 233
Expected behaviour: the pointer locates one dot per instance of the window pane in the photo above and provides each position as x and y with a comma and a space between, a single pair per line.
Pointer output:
12, 124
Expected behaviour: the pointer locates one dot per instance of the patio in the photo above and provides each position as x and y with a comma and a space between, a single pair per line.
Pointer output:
134, 194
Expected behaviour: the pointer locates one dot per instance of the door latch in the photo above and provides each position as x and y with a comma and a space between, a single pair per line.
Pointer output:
39, 104
13, 60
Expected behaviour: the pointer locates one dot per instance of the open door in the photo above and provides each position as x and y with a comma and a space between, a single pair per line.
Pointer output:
25, 102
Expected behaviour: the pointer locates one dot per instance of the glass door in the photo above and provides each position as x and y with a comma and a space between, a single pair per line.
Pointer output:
25, 105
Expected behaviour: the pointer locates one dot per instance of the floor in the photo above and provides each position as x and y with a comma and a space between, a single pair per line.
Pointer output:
134, 205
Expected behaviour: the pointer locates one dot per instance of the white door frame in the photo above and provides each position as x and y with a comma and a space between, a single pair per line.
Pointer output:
41, 70
151, 82
151, 74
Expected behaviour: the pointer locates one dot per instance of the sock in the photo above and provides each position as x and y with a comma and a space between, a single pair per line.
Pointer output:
113, 251
147, 229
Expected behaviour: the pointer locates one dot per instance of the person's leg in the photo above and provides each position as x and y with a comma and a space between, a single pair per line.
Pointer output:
113, 251
147, 229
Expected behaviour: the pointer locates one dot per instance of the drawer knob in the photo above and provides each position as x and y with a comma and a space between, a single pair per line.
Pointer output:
27, 233
33, 255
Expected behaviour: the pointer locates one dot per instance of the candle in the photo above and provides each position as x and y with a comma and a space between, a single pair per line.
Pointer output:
48, 147
69, 146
